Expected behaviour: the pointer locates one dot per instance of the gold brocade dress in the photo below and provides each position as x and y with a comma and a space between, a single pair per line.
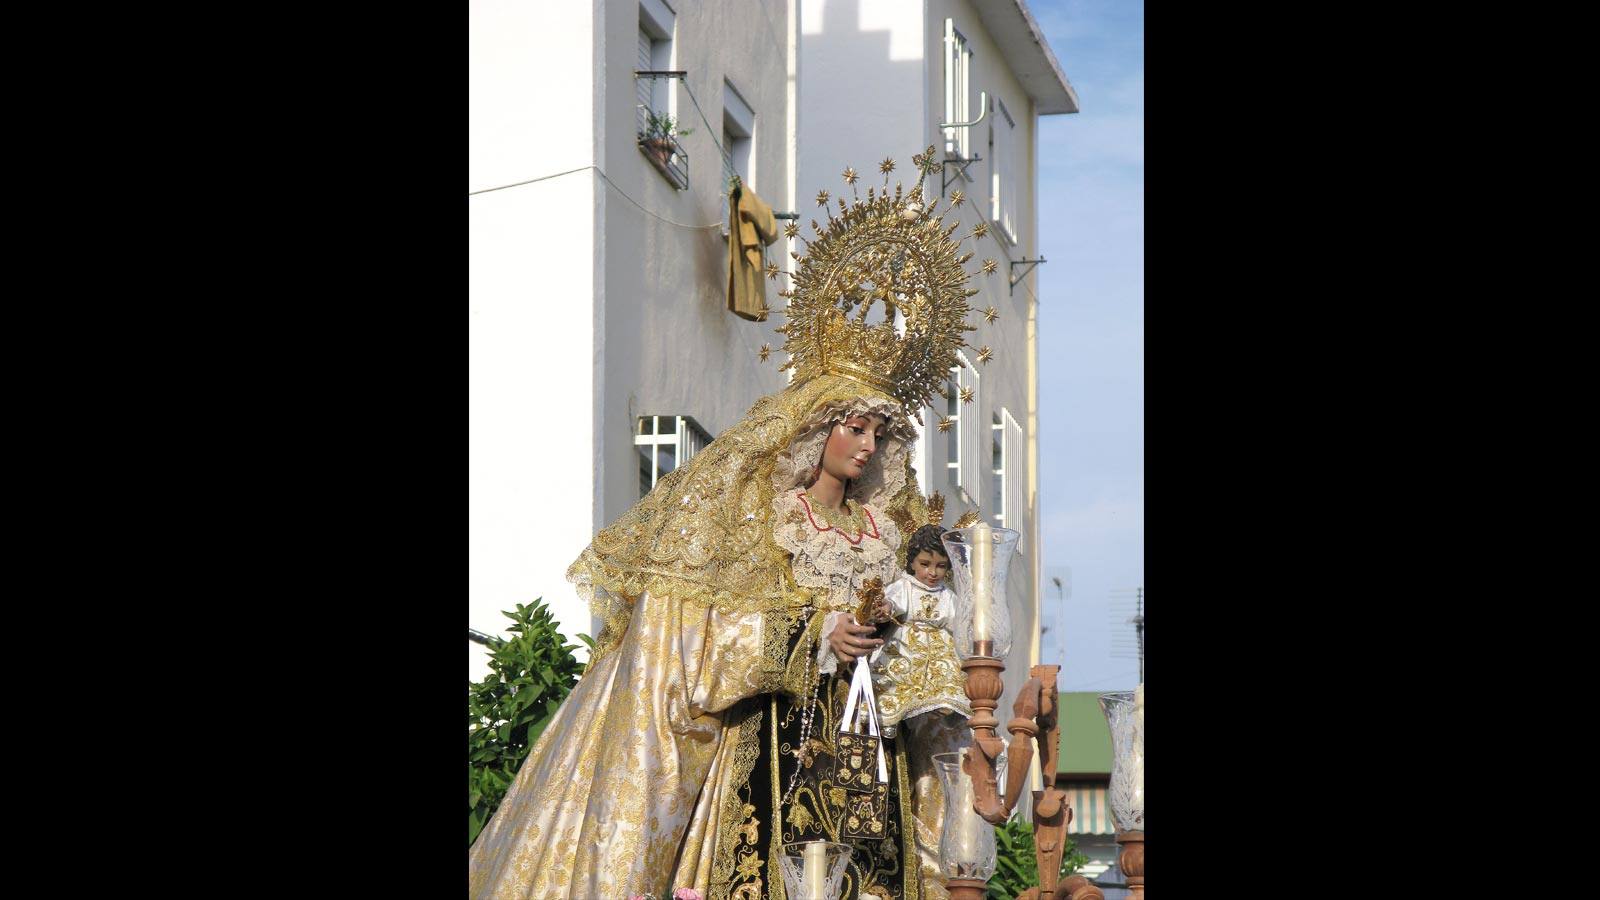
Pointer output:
923, 702
659, 770
796, 771
917, 669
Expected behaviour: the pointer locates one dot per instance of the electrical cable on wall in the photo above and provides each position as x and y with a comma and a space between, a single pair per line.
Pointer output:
607, 180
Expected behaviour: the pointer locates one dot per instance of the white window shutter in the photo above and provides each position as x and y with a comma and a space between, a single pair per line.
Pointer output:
973, 431
1011, 451
951, 57
642, 86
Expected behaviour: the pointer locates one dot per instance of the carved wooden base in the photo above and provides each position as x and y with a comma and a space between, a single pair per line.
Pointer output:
1074, 887
1034, 719
983, 687
1131, 861
1050, 816
1077, 887
966, 888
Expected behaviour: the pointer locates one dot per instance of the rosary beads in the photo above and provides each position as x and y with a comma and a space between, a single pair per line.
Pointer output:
806, 718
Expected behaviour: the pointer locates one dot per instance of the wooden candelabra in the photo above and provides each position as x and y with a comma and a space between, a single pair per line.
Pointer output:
1131, 861
1034, 719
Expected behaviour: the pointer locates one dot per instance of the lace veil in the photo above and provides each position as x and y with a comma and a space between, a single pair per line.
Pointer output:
704, 533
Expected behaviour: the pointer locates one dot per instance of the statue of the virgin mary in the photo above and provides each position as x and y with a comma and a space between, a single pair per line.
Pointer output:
701, 738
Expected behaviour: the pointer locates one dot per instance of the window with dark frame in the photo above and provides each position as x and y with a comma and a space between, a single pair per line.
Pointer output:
663, 443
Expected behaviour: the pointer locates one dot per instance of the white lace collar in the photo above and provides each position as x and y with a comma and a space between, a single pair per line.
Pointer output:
829, 560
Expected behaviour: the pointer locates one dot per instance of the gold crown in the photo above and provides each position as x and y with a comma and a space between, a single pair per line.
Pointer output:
888, 250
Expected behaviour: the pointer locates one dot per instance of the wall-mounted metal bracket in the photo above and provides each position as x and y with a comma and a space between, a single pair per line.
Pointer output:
983, 110
963, 163
1016, 277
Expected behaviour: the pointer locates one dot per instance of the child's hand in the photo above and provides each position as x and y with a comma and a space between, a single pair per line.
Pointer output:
882, 612
850, 640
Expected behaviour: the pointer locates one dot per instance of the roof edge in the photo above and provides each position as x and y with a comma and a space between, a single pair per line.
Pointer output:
1011, 24
1050, 57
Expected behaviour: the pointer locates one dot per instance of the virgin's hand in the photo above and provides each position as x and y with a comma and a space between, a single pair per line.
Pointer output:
850, 640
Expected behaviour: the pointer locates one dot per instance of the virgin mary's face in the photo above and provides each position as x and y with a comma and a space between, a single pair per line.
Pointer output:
851, 445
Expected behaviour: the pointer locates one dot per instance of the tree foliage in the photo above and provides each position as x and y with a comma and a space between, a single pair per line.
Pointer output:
530, 673
1016, 869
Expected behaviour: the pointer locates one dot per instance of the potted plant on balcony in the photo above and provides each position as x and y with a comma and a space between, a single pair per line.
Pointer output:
657, 136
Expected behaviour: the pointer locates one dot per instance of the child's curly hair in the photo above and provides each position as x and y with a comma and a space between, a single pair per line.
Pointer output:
925, 538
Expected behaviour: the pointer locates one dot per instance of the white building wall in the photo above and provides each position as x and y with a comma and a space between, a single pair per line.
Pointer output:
530, 395
529, 98
1005, 378
671, 347
599, 296
861, 97
531, 329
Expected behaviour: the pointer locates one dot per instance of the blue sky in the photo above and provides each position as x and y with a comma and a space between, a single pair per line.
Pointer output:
1091, 336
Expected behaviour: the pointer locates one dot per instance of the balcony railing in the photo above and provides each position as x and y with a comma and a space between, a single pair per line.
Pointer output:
666, 154
662, 150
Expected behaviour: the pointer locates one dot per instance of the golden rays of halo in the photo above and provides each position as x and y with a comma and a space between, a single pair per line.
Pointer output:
888, 256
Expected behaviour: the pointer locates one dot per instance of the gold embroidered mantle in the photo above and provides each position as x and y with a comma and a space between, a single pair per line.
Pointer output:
625, 792
704, 533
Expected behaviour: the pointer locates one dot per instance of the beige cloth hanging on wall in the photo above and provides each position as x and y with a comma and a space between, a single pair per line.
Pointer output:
750, 228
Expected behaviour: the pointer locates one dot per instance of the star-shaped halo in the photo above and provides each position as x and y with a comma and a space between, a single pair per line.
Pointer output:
850, 175
990, 314
966, 395
822, 198
944, 424
887, 165
790, 230
985, 354
989, 266
772, 270
766, 351
957, 198
980, 229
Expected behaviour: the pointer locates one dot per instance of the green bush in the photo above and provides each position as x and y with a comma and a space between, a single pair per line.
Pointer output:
530, 674
1016, 869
